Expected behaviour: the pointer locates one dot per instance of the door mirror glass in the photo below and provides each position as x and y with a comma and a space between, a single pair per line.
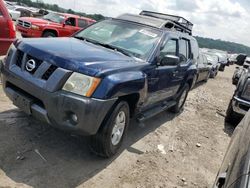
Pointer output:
170, 60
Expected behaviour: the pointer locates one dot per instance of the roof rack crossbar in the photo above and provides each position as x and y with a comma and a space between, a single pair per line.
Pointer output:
180, 22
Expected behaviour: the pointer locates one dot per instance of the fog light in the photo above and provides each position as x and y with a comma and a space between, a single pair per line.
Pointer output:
74, 119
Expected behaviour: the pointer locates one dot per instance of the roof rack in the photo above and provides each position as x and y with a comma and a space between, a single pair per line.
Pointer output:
175, 22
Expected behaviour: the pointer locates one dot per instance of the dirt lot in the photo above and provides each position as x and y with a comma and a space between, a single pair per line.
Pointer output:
169, 151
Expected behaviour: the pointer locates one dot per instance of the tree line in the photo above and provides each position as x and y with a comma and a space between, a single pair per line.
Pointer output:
230, 47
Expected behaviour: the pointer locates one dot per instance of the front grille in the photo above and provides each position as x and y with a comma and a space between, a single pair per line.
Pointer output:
45, 72
19, 58
49, 72
24, 24
38, 63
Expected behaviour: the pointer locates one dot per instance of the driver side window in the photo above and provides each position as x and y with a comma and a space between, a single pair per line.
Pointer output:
170, 48
71, 22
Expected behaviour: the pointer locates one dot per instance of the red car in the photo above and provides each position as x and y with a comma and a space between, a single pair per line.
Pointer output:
7, 29
52, 25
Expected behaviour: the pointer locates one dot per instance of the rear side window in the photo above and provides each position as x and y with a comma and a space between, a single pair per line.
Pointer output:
184, 50
82, 23
195, 49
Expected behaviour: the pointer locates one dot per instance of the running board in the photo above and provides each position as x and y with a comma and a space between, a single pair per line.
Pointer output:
154, 111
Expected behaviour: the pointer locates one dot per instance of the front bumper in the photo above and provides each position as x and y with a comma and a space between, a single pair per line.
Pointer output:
240, 106
56, 108
28, 32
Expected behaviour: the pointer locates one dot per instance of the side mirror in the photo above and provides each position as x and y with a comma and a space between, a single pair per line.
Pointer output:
209, 63
63, 23
169, 60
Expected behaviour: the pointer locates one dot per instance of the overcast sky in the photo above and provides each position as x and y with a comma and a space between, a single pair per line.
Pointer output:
219, 19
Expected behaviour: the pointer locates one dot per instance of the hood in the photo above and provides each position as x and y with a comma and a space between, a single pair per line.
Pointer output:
78, 56
37, 21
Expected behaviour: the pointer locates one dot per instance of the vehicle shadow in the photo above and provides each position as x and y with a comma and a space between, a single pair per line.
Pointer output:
38, 155
229, 129
198, 84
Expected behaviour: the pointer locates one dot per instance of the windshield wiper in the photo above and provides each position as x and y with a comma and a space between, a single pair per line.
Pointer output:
105, 45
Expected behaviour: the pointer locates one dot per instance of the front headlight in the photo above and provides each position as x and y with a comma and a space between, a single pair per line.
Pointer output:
246, 92
81, 84
35, 27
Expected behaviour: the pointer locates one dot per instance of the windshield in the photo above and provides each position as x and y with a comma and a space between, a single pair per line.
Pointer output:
136, 40
54, 17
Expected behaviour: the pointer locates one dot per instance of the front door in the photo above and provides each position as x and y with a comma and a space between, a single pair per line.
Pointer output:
163, 80
69, 28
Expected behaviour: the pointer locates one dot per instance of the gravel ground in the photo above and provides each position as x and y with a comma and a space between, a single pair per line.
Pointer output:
173, 151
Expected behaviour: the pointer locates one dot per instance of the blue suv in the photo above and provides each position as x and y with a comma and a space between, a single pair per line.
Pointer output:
93, 82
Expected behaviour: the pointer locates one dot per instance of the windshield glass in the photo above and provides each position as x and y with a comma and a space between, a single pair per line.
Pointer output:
136, 40
54, 17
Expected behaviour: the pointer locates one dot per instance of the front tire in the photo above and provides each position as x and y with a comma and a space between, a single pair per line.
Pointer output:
109, 138
181, 100
48, 34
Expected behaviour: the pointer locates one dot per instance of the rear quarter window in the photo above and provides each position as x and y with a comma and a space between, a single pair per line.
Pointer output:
82, 23
195, 49
1, 14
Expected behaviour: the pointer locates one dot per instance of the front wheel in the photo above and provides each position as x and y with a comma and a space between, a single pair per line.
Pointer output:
181, 100
48, 34
108, 140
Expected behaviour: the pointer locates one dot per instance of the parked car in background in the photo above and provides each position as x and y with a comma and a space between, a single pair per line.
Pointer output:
213, 63
223, 57
233, 58
93, 82
7, 30
246, 63
27, 12
237, 74
14, 14
240, 102
243, 62
203, 69
223, 60
234, 171
52, 25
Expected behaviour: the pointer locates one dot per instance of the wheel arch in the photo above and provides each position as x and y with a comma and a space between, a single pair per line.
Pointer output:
50, 30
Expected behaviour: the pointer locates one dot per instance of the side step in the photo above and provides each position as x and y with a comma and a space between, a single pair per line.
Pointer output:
154, 111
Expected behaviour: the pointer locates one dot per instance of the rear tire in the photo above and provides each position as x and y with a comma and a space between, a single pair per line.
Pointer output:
181, 100
109, 138
48, 34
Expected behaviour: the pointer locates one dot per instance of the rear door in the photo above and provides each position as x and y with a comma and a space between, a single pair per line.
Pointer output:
185, 60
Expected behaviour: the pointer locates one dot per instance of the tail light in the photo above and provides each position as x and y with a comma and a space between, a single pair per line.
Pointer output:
12, 31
